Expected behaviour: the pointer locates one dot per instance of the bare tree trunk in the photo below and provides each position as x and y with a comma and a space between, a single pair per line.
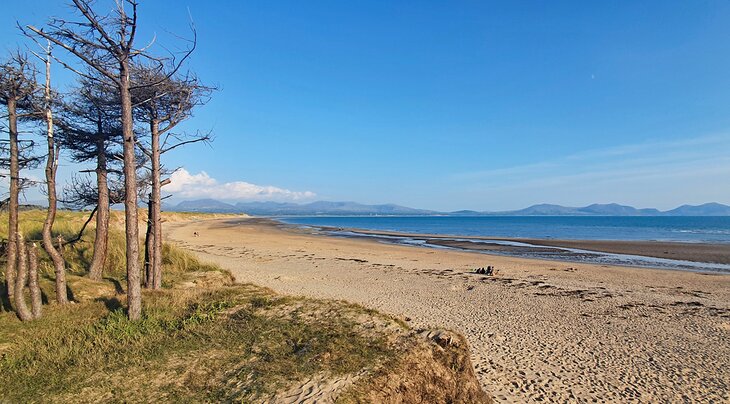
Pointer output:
134, 292
51, 166
101, 238
92, 43
148, 246
59, 263
36, 302
12, 250
155, 200
21, 308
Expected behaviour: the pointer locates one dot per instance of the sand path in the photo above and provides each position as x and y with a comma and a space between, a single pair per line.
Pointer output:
539, 331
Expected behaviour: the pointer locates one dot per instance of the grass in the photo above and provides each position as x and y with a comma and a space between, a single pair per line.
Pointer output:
78, 255
230, 343
176, 262
215, 342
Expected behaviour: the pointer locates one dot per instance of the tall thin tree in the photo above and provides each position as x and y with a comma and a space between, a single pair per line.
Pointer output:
17, 88
163, 105
45, 112
89, 129
106, 44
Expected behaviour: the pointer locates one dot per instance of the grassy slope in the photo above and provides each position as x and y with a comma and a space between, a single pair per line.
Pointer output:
226, 343
78, 256
209, 342
204, 339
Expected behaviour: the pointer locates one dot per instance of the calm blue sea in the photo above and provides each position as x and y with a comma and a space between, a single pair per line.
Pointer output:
687, 229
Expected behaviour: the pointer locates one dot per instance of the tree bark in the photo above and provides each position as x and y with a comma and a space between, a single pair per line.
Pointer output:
12, 249
155, 200
59, 264
134, 292
148, 246
101, 238
21, 308
36, 301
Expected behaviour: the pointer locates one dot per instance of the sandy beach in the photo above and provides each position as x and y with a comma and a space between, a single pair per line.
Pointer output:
538, 330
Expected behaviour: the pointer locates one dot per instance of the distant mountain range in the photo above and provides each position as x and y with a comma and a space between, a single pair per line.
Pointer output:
326, 208
614, 209
323, 208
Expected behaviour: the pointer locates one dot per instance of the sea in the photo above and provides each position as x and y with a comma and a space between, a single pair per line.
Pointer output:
625, 228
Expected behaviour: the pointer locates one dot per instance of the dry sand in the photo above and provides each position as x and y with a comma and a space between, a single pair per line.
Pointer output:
538, 331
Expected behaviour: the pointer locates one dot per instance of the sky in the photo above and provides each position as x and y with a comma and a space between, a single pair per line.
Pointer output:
446, 105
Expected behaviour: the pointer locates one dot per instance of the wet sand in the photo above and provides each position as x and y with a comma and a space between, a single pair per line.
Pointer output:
697, 252
538, 330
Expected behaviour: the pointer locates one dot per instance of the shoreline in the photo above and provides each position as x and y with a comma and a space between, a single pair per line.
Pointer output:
664, 255
538, 330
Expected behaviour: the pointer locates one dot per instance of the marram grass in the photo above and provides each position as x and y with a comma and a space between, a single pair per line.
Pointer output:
219, 342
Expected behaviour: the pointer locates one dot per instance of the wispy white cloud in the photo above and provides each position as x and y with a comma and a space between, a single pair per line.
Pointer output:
659, 173
183, 184
695, 151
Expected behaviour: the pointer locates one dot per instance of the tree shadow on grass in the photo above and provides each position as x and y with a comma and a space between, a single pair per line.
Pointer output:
70, 294
4, 300
117, 285
111, 303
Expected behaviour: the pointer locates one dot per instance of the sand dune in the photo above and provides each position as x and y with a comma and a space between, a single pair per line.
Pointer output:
539, 330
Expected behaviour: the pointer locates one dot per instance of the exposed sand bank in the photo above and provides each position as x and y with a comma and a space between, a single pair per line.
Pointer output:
539, 330
698, 252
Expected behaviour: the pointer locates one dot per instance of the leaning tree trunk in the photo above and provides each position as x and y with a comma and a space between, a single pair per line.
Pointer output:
21, 308
12, 249
101, 239
134, 292
36, 301
155, 200
59, 264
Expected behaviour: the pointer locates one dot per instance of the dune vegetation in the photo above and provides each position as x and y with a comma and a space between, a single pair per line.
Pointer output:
197, 335
204, 338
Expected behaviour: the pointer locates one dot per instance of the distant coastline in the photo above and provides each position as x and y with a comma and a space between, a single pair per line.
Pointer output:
328, 208
699, 256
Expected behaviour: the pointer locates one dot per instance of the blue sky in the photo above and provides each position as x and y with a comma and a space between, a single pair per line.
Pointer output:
450, 105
